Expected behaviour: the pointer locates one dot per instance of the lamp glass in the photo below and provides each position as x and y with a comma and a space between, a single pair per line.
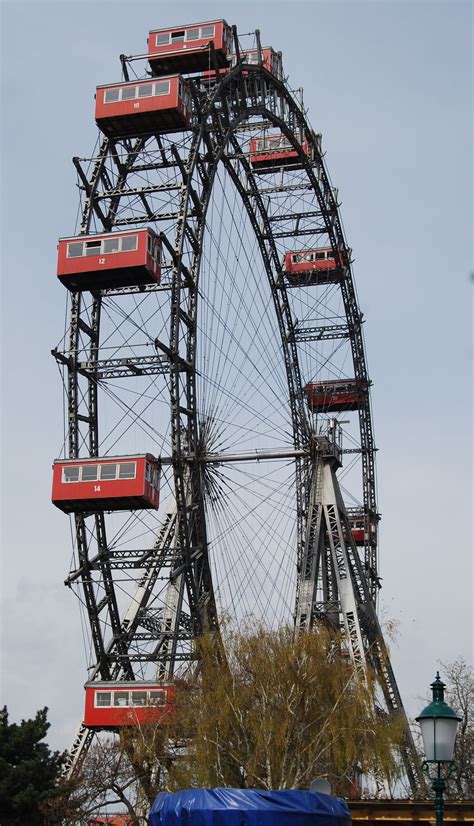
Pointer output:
439, 735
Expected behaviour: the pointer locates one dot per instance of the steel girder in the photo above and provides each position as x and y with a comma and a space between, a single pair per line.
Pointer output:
333, 587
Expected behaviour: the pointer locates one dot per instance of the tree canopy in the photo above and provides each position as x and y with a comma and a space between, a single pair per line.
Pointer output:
286, 710
280, 711
28, 769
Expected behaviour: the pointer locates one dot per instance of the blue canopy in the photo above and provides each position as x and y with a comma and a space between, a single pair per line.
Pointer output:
248, 807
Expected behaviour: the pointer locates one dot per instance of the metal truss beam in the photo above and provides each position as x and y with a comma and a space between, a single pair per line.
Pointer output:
333, 586
136, 191
123, 367
296, 233
151, 217
295, 216
329, 332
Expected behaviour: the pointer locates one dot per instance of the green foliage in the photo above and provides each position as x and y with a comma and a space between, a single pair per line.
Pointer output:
285, 711
28, 769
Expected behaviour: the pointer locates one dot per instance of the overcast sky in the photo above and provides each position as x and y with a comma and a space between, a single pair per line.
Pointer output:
389, 86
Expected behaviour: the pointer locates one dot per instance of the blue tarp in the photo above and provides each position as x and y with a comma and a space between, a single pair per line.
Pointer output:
248, 807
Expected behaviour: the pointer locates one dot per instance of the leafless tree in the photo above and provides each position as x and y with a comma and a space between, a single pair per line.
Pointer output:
459, 678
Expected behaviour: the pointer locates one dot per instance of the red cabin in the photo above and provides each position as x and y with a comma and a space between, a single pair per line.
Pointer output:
271, 61
114, 483
186, 49
361, 530
111, 705
273, 151
143, 107
118, 259
333, 396
357, 530
319, 266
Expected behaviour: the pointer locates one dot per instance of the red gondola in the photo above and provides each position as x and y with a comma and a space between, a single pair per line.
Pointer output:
186, 49
271, 151
119, 259
271, 61
143, 107
113, 483
361, 530
357, 529
112, 705
333, 396
318, 266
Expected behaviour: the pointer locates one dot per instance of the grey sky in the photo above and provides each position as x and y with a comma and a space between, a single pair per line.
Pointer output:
389, 86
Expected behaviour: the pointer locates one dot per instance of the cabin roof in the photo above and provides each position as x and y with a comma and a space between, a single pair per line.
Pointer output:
93, 237
94, 460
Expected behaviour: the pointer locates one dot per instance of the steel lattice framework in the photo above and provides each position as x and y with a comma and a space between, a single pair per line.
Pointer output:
233, 426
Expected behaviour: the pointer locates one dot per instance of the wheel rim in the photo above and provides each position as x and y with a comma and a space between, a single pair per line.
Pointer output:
120, 320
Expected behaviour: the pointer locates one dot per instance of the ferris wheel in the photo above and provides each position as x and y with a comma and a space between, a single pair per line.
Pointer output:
218, 456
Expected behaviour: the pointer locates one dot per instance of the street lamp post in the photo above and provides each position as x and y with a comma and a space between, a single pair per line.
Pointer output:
438, 723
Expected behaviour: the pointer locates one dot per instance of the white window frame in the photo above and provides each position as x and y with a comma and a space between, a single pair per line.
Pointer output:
110, 478
91, 243
70, 481
161, 94
69, 243
142, 86
92, 464
121, 691
98, 691
101, 248
209, 26
149, 703
138, 691
162, 34
114, 89
121, 245
116, 478
181, 33
128, 90
193, 39
136, 88
126, 478
186, 40
103, 251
